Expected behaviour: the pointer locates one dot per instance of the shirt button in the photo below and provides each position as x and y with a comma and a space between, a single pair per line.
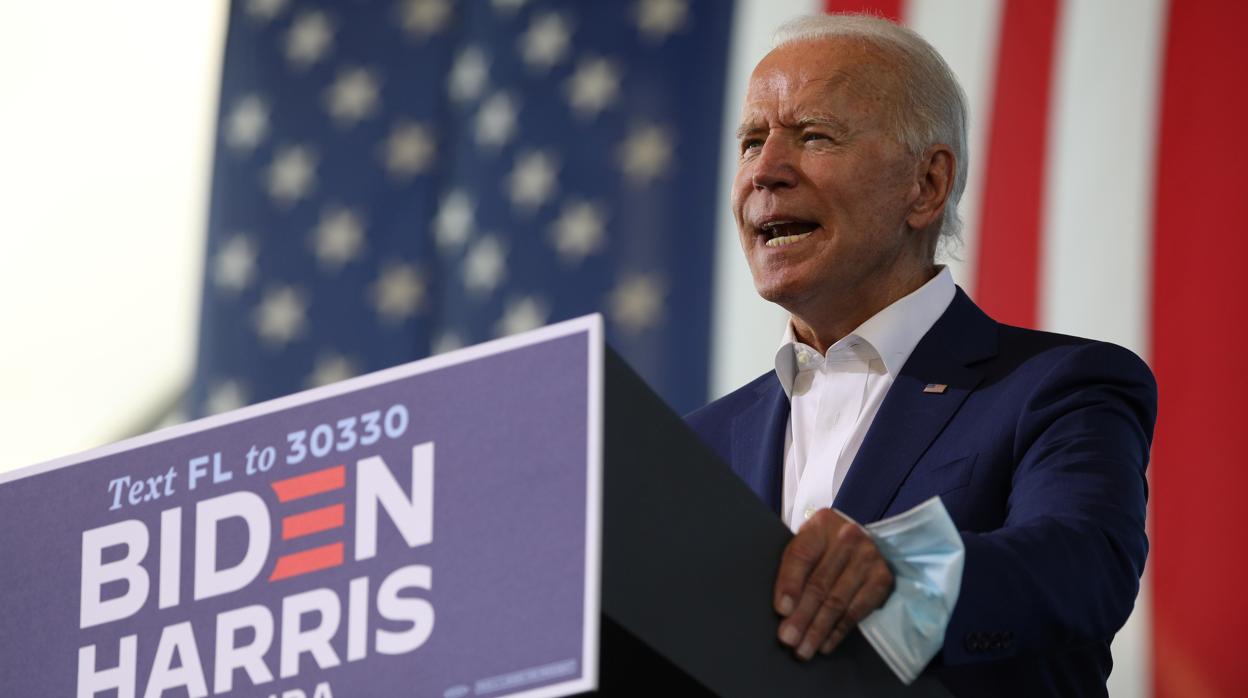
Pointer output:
810, 511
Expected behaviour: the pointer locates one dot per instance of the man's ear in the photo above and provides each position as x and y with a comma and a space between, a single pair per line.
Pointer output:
934, 175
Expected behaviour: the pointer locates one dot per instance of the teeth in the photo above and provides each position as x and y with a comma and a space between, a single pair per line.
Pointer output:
787, 239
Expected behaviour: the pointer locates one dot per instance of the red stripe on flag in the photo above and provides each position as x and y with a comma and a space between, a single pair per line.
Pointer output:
314, 521
1008, 268
314, 482
306, 561
882, 8
1200, 291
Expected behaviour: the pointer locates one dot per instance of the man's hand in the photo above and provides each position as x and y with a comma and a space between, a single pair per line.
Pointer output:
831, 576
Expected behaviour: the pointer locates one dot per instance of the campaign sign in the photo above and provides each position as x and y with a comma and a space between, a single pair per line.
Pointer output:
427, 530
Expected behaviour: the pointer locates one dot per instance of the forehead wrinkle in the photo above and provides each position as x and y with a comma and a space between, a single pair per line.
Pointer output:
791, 96
865, 67
830, 83
845, 90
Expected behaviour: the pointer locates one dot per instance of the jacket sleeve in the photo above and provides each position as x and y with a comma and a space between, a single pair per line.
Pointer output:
1064, 569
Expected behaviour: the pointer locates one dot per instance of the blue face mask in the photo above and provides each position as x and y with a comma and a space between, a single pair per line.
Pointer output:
925, 553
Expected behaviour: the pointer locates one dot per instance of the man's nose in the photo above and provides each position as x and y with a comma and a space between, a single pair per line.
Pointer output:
774, 167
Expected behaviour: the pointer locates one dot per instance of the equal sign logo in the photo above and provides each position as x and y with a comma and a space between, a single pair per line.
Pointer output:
324, 518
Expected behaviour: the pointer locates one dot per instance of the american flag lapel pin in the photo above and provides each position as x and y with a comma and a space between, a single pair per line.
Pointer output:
935, 388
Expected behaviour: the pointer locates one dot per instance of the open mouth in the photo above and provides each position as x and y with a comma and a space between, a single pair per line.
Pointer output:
781, 233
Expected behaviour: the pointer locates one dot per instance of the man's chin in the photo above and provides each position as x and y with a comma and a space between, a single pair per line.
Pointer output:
786, 294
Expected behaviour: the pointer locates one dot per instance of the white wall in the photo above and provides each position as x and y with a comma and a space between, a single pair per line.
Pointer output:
105, 151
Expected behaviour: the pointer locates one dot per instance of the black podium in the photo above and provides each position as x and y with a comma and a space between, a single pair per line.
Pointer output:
689, 559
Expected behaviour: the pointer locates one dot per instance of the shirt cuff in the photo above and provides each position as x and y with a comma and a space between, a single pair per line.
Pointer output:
925, 553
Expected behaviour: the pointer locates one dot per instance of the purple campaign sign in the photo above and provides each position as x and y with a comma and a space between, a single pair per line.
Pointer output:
428, 530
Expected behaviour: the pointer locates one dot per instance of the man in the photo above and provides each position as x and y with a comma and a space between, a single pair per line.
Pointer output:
891, 387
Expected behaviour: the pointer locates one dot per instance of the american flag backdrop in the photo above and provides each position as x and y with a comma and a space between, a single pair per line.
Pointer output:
397, 178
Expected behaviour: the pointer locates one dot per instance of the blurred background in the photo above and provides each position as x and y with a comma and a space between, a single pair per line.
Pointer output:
205, 205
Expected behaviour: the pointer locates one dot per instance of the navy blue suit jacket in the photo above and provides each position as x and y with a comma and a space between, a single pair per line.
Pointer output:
1037, 448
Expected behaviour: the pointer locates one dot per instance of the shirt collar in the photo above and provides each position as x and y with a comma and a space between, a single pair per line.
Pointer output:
893, 332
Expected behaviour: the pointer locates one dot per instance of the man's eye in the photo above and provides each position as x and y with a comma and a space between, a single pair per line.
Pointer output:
750, 144
807, 137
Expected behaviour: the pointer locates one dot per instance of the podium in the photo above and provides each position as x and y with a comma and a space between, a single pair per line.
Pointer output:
689, 560
524, 517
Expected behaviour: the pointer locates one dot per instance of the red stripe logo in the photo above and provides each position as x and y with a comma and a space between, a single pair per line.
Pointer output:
326, 518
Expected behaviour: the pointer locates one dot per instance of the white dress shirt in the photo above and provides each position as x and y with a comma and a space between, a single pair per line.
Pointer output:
834, 397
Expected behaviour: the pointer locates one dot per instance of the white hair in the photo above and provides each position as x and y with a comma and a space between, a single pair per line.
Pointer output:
932, 106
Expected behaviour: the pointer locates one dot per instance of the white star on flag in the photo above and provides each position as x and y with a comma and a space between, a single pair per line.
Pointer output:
532, 180
578, 232
447, 340
521, 315
235, 263
636, 302
469, 75
338, 238
496, 121
248, 124
485, 265
264, 10
645, 154
546, 41
331, 368
424, 18
352, 96
409, 150
593, 87
657, 19
225, 396
291, 174
309, 39
281, 316
454, 221
398, 293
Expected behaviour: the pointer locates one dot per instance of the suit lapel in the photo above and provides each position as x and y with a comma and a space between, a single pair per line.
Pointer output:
758, 442
909, 418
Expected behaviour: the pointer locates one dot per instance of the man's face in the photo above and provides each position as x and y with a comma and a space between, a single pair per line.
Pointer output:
823, 185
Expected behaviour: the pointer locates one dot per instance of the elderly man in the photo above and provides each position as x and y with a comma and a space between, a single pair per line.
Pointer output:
892, 389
